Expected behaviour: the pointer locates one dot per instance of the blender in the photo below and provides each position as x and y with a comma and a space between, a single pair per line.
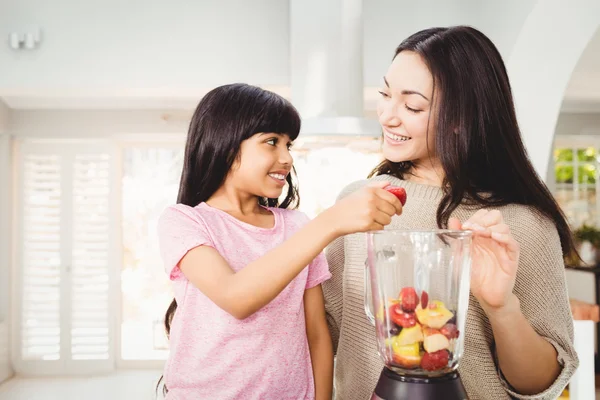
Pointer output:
416, 296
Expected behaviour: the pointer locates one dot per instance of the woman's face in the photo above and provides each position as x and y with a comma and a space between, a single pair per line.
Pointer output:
406, 111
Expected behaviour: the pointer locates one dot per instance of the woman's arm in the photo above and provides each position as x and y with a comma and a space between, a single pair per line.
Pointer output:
319, 342
520, 284
528, 361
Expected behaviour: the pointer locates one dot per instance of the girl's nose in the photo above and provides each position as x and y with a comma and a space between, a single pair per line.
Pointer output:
285, 157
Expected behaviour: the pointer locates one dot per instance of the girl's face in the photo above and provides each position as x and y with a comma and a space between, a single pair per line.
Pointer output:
264, 163
405, 110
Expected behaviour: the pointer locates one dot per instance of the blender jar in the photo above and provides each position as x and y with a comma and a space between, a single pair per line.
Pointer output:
417, 295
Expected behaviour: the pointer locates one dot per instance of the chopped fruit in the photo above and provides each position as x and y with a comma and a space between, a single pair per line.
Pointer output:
450, 331
434, 340
410, 335
408, 298
435, 361
397, 191
434, 316
393, 301
407, 356
401, 318
395, 329
424, 299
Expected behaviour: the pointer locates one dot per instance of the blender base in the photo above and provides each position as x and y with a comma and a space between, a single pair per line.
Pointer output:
392, 386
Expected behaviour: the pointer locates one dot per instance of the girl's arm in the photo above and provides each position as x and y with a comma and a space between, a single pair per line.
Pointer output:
243, 293
319, 342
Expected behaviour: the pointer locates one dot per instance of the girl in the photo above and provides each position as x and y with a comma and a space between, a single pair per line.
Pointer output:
248, 319
451, 139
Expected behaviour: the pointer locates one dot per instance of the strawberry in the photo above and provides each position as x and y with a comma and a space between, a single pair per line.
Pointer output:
409, 299
401, 318
449, 330
397, 191
424, 299
435, 361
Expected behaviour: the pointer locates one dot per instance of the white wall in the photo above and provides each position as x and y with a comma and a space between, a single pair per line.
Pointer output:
541, 64
98, 123
388, 22
5, 287
578, 124
113, 44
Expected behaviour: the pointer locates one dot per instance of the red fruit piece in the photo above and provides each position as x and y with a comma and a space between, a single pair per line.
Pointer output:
409, 299
397, 191
435, 361
424, 299
450, 331
401, 318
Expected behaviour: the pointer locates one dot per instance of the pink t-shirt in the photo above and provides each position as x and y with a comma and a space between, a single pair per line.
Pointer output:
212, 354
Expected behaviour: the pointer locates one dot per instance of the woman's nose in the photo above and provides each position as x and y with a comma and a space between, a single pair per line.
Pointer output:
388, 114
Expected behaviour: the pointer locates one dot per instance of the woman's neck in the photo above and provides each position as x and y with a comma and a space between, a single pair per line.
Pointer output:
427, 173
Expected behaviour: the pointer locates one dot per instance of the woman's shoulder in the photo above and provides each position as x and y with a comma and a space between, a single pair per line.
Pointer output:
525, 216
530, 227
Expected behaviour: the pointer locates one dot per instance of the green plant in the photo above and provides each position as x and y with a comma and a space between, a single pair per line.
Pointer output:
588, 233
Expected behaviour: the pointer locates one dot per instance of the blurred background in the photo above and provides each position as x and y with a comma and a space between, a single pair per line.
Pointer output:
95, 99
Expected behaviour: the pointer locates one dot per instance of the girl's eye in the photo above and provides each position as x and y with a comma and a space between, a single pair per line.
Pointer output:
272, 141
384, 94
290, 145
412, 110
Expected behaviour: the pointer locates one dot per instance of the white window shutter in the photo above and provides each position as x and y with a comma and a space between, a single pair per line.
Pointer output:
67, 258
90, 258
41, 257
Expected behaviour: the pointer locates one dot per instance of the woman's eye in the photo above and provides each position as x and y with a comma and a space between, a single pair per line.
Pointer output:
272, 141
384, 94
412, 110
290, 145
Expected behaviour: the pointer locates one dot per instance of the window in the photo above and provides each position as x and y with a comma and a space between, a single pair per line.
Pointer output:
576, 164
149, 184
65, 323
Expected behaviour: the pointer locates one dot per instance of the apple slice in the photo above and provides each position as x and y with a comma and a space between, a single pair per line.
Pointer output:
434, 340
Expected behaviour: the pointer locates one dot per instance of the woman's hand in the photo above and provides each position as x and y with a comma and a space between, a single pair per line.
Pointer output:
495, 259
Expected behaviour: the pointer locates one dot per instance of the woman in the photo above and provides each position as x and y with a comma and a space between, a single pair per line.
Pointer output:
451, 139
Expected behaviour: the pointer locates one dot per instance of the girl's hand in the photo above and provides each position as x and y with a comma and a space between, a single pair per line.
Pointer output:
495, 259
368, 209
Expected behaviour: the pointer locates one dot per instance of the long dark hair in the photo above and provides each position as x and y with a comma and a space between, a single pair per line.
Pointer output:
224, 118
478, 140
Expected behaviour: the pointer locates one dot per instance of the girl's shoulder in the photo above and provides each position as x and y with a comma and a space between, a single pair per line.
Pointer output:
180, 214
178, 210
290, 215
